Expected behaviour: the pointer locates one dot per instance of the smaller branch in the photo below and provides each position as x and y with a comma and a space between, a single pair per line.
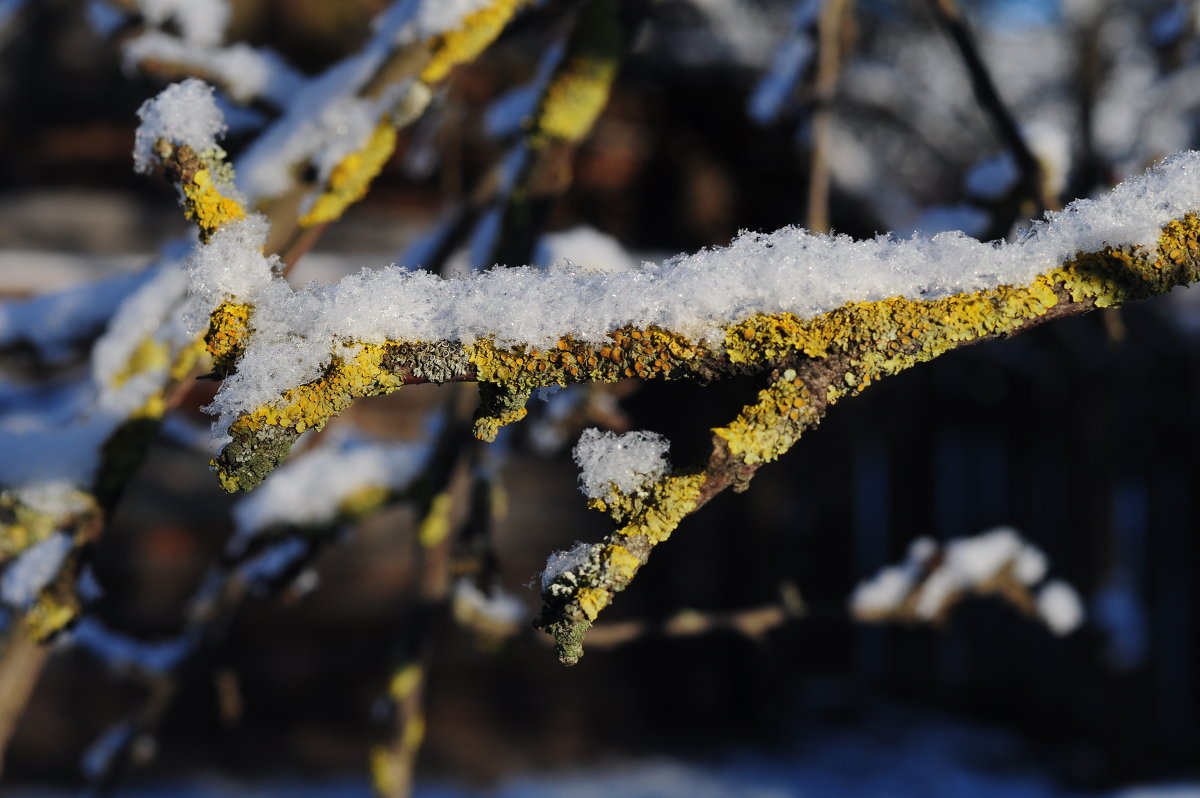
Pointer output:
951, 18
20, 668
830, 29
752, 623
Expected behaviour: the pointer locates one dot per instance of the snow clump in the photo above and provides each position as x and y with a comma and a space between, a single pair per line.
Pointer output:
625, 462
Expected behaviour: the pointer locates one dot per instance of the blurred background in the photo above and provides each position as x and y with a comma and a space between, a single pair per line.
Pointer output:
1081, 434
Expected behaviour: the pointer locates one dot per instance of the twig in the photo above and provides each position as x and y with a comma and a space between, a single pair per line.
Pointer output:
830, 29
950, 16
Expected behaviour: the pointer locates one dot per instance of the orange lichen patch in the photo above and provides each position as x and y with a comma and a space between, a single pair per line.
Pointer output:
478, 30
228, 330
350, 179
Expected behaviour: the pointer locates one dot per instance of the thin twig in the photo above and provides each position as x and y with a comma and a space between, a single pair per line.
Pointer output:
950, 16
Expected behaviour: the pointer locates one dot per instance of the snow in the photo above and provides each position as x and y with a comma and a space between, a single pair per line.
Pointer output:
273, 561
582, 249
626, 462
308, 490
60, 441
326, 119
993, 178
230, 266
103, 17
970, 562
508, 113
54, 454
434, 17
696, 295
53, 322
152, 310
245, 72
98, 757
198, 21
1060, 607
888, 589
894, 753
33, 569
966, 565
121, 651
496, 605
51, 498
788, 66
182, 113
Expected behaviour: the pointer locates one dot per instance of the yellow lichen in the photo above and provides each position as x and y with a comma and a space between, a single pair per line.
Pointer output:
405, 681
49, 615
205, 205
228, 329
620, 561
592, 600
363, 501
458, 46
22, 526
350, 179
384, 771
149, 355
414, 732
580, 88
311, 405
435, 526
765, 430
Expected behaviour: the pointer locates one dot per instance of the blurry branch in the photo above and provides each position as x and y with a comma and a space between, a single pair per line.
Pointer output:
520, 190
400, 87
567, 110
833, 29
21, 664
753, 623
950, 16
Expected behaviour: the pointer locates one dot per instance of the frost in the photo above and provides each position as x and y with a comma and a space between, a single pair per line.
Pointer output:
182, 113
625, 462
33, 569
